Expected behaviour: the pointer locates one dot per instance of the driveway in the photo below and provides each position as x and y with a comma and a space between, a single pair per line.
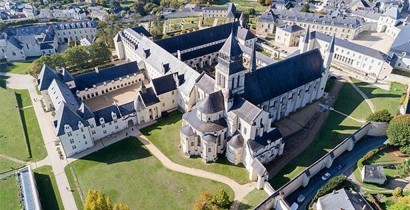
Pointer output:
349, 158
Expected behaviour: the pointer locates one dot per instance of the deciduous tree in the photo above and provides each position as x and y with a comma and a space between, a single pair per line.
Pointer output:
398, 131
380, 116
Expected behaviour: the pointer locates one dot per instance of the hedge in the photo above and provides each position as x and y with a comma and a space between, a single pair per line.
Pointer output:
334, 183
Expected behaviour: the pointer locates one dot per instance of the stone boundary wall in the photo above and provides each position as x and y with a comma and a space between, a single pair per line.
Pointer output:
276, 200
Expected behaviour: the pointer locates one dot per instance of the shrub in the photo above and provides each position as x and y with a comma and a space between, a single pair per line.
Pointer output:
398, 192
380, 116
398, 130
404, 169
334, 183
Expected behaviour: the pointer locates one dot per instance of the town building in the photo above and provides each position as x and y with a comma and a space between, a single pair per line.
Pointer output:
288, 35
341, 27
353, 58
373, 174
220, 12
71, 12
400, 49
343, 199
31, 41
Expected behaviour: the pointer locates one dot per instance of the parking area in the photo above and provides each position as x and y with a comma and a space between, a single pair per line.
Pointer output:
120, 96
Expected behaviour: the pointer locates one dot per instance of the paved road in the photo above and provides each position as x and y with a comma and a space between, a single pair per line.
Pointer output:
349, 158
240, 190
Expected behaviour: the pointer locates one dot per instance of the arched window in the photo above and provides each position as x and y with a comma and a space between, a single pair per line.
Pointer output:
209, 149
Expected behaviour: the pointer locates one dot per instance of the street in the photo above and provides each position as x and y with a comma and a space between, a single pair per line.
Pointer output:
348, 158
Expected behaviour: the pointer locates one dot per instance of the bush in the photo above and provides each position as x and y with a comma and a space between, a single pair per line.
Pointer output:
366, 157
404, 169
380, 116
334, 183
398, 192
398, 131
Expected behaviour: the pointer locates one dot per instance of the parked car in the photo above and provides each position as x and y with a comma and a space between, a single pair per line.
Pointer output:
326, 176
340, 166
301, 198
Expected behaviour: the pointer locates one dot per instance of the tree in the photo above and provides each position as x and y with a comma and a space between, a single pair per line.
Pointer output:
76, 57
380, 116
398, 131
99, 53
112, 17
251, 11
305, 7
404, 169
96, 200
398, 192
2, 26
402, 203
221, 199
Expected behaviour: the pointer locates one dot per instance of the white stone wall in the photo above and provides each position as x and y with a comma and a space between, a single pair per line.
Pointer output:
209, 13
169, 100
75, 141
76, 34
149, 114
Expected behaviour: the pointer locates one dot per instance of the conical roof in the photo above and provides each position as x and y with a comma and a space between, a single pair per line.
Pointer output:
231, 47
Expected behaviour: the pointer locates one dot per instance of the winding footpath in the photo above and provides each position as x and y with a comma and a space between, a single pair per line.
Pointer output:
372, 108
240, 190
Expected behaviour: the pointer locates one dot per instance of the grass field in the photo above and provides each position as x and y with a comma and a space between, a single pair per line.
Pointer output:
16, 68
383, 99
9, 194
6, 165
165, 135
13, 130
47, 188
128, 173
252, 199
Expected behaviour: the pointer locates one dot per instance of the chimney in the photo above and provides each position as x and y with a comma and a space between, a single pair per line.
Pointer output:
179, 54
176, 79
96, 69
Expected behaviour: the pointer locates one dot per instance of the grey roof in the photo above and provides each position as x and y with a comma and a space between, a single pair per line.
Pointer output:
236, 141
141, 30
215, 8
231, 12
192, 118
85, 112
66, 115
46, 76
307, 34
245, 34
67, 96
402, 42
187, 130
264, 140
106, 114
343, 199
15, 42
318, 18
393, 12
88, 80
374, 172
67, 76
350, 45
267, 17
231, 46
259, 56
46, 46
331, 48
276, 79
245, 110
75, 24
200, 52
149, 97
258, 166
252, 62
212, 103
29, 189
127, 109
367, 14
291, 28
164, 84
205, 83
209, 138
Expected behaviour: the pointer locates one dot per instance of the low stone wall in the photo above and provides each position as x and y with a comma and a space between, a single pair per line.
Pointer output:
370, 128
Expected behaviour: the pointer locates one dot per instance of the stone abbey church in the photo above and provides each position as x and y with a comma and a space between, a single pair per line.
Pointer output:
230, 94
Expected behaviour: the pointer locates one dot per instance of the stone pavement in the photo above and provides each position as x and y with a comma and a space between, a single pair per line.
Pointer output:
240, 190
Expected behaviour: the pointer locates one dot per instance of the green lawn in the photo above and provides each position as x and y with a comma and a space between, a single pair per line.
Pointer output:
18, 124
47, 188
383, 99
385, 156
243, 5
128, 173
9, 194
16, 68
252, 199
336, 128
6, 165
165, 135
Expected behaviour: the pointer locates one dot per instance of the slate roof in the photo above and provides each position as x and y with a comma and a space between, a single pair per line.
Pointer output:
212, 103
15, 42
87, 80
343, 199
127, 109
197, 124
149, 97
245, 110
267, 17
374, 172
236, 141
196, 38
258, 166
75, 24
66, 76
67, 115
28, 30
367, 14
45, 46
164, 84
46, 76
259, 56
231, 46
276, 79
205, 83
68, 97
200, 52
262, 141
187, 130
85, 112
142, 30
215, 8
291, 28
393, 12
106, 114
402, 42
209, 138
350, 45
28, 189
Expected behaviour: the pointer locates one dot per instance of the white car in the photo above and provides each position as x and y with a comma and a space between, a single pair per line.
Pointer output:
326, 176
